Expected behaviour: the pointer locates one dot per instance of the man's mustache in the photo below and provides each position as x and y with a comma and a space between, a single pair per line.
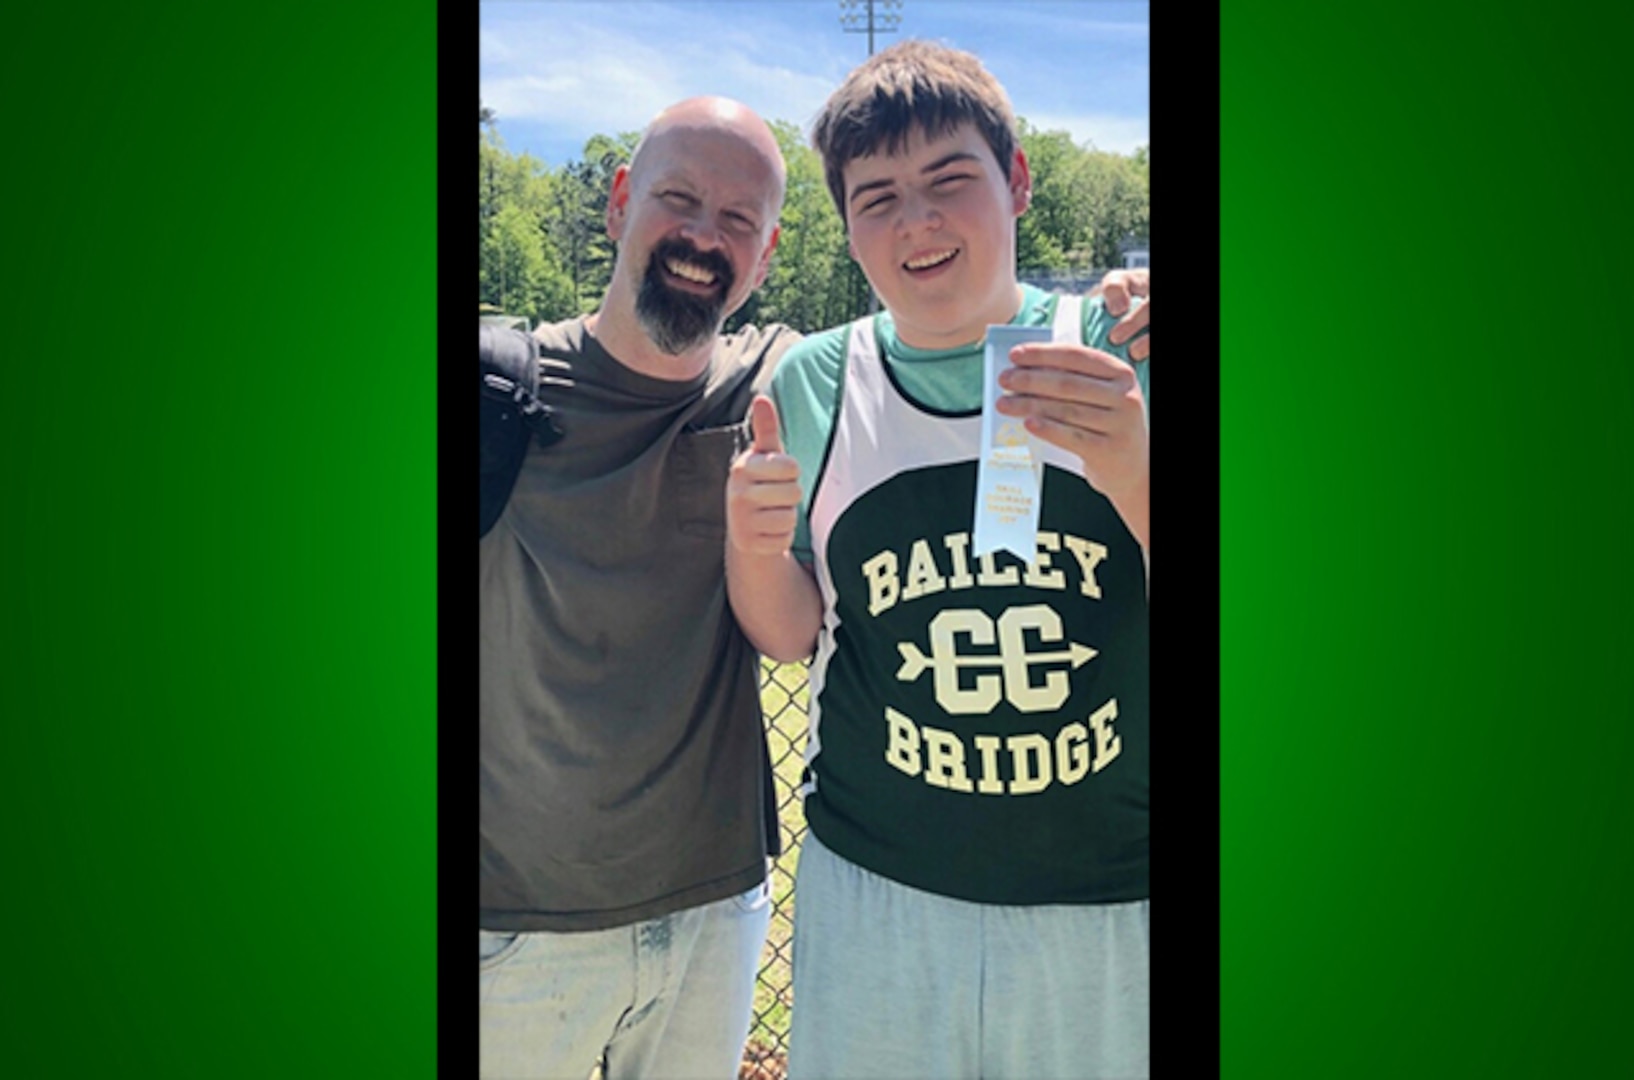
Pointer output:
682, 251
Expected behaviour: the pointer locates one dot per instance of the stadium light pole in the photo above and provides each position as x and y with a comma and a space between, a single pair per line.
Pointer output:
858, 17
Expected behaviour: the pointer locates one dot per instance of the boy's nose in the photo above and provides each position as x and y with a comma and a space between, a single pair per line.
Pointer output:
917, 213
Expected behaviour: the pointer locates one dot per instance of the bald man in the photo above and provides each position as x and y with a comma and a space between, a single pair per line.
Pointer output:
626, 803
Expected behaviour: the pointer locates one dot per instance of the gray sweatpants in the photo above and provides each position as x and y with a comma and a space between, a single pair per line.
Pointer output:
893, 982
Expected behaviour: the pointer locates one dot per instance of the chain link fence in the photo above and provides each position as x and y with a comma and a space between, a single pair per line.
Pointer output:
784, 697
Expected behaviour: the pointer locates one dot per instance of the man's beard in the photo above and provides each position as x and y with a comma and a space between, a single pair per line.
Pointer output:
679, 321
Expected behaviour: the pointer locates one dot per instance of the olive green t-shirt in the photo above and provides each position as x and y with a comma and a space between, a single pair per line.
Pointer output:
624, 771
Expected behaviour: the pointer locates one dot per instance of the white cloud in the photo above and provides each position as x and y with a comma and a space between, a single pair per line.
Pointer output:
612, 80
557, 73
1117, 134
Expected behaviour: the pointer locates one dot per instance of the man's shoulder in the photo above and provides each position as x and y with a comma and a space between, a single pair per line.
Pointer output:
757, 344
819, 353
752, 351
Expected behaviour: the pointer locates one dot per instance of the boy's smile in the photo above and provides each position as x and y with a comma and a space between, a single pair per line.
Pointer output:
923, 266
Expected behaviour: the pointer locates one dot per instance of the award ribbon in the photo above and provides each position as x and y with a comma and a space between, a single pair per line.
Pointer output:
1009, 471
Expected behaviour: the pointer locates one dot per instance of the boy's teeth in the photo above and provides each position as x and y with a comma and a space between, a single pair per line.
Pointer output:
930, 260
690, 272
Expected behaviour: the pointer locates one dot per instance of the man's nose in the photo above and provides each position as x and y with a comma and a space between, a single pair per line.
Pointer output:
703, 233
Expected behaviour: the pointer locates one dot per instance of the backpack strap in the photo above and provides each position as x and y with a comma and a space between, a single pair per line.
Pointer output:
512, 413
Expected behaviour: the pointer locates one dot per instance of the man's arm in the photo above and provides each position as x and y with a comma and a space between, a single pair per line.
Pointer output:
774, 597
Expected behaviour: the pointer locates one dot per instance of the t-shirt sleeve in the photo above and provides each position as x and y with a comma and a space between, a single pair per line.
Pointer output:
806, 391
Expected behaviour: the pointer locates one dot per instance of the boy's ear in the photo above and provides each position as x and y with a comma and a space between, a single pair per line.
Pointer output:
618, 202
1021, 183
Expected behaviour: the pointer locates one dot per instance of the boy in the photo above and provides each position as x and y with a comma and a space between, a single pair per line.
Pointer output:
973, 895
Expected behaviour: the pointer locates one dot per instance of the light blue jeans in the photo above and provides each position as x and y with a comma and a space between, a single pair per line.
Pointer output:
666, 999
892, 982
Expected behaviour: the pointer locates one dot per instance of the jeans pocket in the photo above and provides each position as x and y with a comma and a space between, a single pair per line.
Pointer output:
755, 898
497, 946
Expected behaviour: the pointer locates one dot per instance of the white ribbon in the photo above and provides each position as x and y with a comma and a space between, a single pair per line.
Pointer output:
1009, 472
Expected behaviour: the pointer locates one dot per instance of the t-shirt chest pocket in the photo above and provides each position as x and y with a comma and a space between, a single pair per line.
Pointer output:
703, 458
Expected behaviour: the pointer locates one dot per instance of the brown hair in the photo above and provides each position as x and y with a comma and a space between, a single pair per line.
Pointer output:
912, 84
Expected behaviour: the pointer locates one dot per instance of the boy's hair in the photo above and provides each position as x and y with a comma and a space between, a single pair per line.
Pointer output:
912, 84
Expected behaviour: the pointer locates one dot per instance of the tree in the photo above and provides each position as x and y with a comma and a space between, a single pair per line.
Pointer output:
1131, 214
1057, 231
1085, 203
808, 286
545, 252
579, 218
520, 268
521, 275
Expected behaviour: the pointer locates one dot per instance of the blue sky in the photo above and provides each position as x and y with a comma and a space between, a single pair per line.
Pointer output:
559, 71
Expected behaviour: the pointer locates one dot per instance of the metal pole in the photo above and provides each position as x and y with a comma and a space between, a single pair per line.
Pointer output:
865, 22
855, 23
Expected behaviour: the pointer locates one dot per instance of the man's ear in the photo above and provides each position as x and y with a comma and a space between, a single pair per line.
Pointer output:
1021, 182
618, 202
765, 265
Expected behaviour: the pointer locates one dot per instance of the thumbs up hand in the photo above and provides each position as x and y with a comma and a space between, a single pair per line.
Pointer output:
763, 490
763, 422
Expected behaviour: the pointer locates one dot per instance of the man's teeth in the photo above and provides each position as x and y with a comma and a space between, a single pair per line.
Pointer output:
925, 261
690, 272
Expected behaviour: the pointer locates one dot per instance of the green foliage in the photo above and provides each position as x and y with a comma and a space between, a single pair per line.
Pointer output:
521, 269
1086, 203
546, 254
813, 283
578, 221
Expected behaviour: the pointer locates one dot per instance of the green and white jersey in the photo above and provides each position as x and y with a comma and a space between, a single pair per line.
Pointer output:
979, 726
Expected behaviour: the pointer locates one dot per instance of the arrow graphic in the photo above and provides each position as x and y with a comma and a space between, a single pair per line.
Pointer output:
915, 662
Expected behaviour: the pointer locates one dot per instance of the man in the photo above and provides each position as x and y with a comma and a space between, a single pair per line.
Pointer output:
626, 807
625, 812
973, 895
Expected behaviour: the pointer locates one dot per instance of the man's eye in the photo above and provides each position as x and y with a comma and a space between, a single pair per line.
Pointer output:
946, 182
876, 203
677, 198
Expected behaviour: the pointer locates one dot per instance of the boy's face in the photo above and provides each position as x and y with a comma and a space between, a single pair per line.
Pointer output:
933, 227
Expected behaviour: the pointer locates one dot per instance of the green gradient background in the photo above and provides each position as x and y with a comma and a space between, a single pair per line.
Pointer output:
1426, 493
219, 399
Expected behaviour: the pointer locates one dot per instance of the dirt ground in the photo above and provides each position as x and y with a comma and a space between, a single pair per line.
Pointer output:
762, 1063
